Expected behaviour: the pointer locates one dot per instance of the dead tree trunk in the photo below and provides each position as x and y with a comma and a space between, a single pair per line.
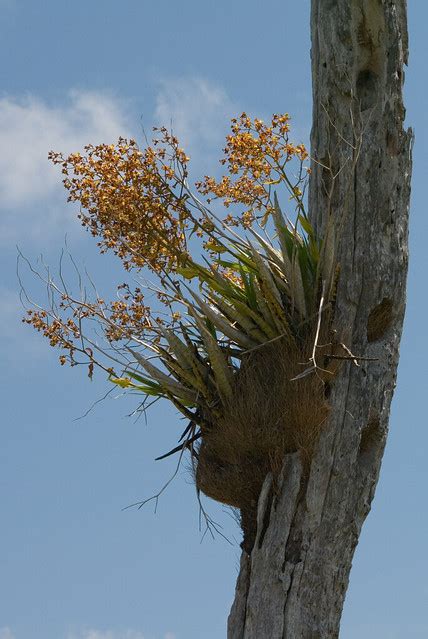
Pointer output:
294, 582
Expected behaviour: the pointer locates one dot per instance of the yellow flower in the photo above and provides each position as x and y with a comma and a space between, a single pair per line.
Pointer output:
123, 382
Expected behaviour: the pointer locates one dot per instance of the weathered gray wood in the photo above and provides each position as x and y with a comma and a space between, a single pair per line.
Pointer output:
294, 583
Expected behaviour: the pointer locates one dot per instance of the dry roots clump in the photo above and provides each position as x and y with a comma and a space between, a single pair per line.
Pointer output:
268, 415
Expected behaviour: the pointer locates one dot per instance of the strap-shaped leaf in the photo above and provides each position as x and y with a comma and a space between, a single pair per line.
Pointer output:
223, 375
250, 321
186, 358
222, 324
169, 384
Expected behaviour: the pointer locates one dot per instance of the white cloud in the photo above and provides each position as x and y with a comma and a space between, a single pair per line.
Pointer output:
32, 198
29, 129
6, 633
199, 113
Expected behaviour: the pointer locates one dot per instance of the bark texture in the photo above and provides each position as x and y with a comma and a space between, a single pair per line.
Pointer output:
293, 584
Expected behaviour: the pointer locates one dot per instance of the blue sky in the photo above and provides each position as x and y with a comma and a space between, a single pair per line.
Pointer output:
73, 565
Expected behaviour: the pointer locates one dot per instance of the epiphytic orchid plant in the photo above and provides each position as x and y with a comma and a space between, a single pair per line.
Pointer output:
226, 284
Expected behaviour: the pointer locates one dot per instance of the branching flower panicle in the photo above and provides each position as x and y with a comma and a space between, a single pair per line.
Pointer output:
129, 198
256, 155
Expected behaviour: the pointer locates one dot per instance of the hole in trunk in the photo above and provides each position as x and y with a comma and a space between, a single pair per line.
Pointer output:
371, 438
379, 320
367, 89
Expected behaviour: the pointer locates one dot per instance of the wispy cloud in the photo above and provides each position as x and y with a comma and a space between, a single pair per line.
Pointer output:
32, 198
29, 129
6, 633
199, 113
